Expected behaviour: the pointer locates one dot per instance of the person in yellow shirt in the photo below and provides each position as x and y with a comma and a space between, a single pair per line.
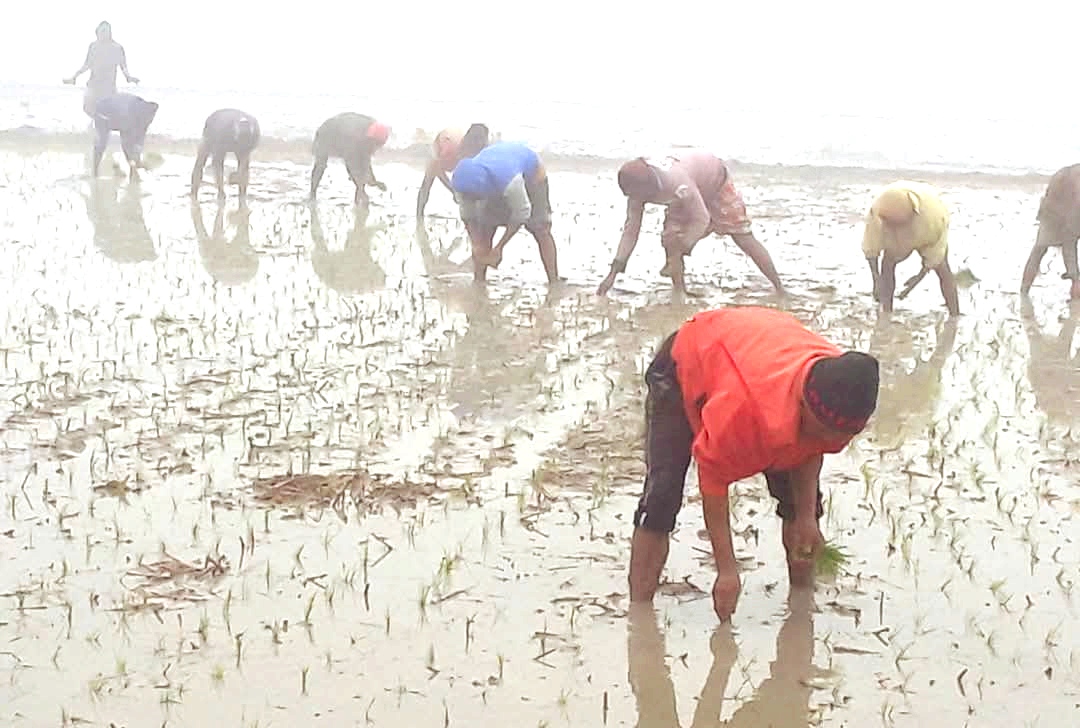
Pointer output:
908, 217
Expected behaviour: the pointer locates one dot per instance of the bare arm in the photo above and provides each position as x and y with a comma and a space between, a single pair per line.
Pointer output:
718, 524
635, 210
425, 190
370, 171
124, 68
805, 480
85, 66
517, 199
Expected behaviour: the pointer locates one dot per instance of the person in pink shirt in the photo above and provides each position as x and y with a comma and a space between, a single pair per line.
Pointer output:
701, 199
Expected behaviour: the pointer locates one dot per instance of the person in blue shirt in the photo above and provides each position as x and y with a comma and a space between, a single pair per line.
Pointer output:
504, 185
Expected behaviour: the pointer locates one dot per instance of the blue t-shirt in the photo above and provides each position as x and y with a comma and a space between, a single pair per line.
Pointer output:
490, 172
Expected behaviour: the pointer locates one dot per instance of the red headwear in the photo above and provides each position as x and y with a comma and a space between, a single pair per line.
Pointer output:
378, 132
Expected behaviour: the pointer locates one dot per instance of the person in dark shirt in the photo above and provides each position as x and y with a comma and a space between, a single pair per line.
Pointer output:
227, 131
353, 138
131, 116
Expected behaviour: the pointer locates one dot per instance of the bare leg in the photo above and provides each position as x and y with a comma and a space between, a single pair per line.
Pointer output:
481, 238
219, 174
648, 554
360, 196
887, 282
874, 275
548, 253
947, 282
677, 271
1072, 270
316, 175
757, 252
1031, 269
132, 153
243, 173
101, 141
197, 171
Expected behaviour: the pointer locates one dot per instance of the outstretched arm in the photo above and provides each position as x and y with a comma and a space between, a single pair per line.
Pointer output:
124, 68
425, 190
84, 67
635, 210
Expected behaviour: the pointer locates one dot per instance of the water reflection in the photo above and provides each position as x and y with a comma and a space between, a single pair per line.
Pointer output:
439, 263
228, 262
499, 362
350, 269
119, 228
782, 700
1054, 366
907, 399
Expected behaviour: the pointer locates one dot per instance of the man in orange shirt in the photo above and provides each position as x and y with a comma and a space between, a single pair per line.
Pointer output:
744, 391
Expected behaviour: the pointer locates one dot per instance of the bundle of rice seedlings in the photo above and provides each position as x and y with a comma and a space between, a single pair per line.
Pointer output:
831, 560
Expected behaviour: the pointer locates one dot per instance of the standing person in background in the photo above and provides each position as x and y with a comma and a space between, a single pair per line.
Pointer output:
451, 145
353, 138
103, 58
700, 198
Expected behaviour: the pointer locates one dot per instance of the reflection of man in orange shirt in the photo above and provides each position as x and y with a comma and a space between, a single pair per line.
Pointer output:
744, 391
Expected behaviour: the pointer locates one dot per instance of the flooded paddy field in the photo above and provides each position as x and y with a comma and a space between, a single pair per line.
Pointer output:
276, 468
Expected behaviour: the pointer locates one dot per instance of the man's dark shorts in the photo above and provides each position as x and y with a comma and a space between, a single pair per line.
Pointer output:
668, 443
495, 213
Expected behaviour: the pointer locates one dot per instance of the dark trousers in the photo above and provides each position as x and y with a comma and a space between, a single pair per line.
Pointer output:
669, 440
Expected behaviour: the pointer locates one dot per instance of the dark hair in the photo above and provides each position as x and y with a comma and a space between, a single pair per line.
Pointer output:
476, 138
842, 391
637, 179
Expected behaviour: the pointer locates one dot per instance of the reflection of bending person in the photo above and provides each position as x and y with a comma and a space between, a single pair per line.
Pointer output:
351, 269
119, 228
909, 399
1053, 370
228, 263
781, 701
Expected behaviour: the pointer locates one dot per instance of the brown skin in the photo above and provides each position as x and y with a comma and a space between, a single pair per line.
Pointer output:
485, 256
675, 247
1059, 225
884, 282
242, 177
802, 538
434, 171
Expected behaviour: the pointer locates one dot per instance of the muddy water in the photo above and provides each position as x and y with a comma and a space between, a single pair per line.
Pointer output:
173, 378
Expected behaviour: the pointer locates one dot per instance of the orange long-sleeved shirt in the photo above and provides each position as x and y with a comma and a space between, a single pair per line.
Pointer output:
741, 371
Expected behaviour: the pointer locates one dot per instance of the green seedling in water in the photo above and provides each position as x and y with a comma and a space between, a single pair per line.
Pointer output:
831, 560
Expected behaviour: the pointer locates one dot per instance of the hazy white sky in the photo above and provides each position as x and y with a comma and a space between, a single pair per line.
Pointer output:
919, 57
